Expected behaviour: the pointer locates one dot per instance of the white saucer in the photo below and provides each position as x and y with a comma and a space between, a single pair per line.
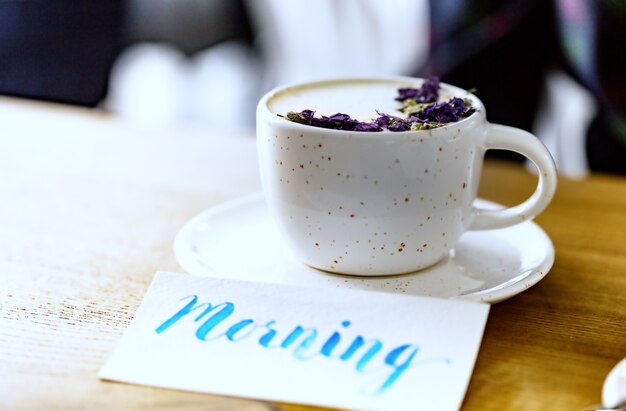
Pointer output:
237, 240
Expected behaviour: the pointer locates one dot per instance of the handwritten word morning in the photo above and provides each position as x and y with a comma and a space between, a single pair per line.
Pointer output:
304, 343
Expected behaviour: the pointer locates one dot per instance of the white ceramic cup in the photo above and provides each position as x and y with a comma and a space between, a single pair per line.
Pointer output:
381, 203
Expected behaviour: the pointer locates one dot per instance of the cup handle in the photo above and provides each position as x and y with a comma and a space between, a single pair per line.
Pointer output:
501, 137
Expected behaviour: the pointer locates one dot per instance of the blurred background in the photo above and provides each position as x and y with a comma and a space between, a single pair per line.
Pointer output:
553, 67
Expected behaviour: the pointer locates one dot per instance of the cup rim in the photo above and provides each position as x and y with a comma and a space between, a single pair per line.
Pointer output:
263, 105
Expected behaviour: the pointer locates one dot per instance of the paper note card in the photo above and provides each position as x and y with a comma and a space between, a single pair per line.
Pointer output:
336, 347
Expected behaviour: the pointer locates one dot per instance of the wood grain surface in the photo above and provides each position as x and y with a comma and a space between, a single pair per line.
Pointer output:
89, 208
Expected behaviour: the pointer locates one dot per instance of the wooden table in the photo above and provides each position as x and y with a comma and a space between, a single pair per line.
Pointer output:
90, 205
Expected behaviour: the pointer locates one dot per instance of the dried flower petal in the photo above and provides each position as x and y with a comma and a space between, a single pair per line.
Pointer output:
445, 112
419, 105
392, 123
368, 127
427, 93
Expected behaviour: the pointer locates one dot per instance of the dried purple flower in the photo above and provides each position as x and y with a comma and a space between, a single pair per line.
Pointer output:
427, 93
340, 117
373, 126
419, 105
303, 117
392, 123
338, 121
445, 112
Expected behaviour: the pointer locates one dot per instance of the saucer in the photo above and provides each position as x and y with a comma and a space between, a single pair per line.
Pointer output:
237, 240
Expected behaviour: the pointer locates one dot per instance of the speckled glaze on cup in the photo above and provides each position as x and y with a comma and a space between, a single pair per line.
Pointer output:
381, 203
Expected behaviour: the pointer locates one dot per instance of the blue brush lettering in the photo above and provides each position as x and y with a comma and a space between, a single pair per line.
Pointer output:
357, 343
300, 351
300, 339
267, 338
183, 311
332, 341
369, 354
233, 330
225, 311
293, 336
398, 369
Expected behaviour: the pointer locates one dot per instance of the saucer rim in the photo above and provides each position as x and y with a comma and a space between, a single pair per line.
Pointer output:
498, 293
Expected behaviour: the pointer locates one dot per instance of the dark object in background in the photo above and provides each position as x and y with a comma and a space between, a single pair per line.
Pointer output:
507, 49
63, 50
504, 48
605, 75
59, 50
